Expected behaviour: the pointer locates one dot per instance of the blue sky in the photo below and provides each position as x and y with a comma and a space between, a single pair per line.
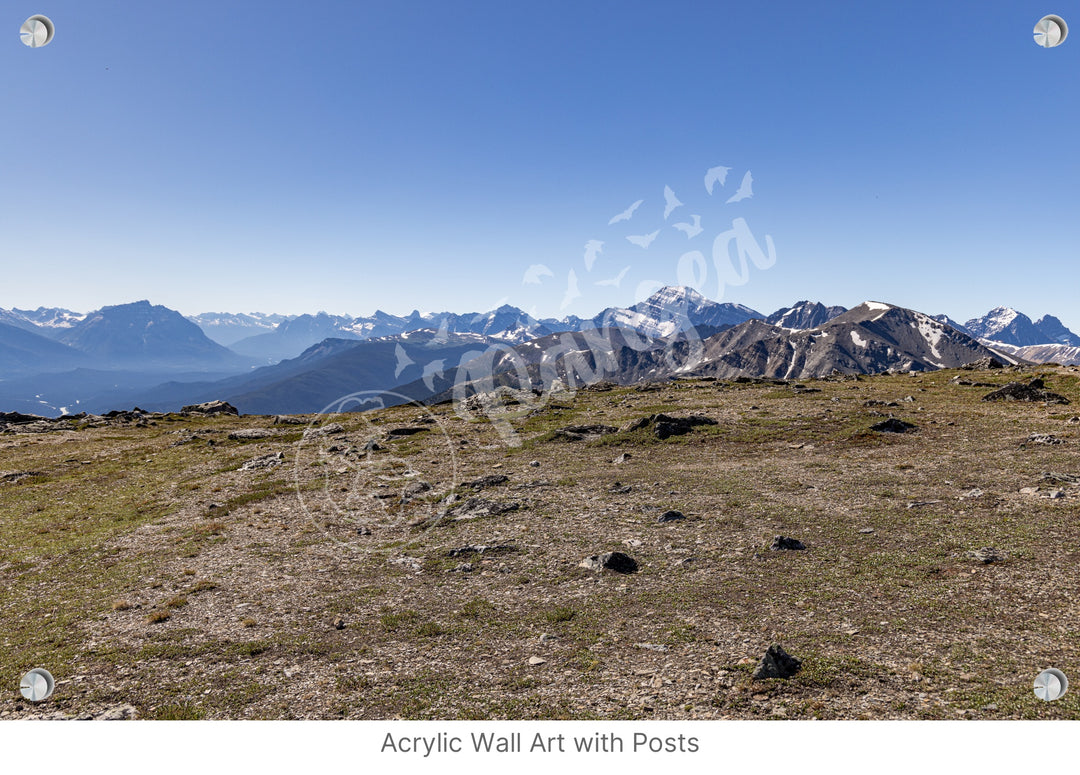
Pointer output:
350, 156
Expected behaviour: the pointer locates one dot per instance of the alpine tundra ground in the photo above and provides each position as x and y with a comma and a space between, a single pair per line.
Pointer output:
144, 565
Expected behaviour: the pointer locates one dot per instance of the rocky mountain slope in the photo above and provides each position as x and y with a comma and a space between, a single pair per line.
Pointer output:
804, 315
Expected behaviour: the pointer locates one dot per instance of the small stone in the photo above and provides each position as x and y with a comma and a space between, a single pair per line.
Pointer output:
339, 623
547, 637
491, 480
1044, 438
534, 661
624, 457
534, 463
866, 530
892, 425
652, 647
615, 561
1056, 494
119, 713
987, 555
250, 434
776, 663
1029, 490
671, 516
781, 543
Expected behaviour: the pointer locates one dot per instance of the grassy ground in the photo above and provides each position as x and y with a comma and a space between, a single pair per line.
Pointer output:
143, 566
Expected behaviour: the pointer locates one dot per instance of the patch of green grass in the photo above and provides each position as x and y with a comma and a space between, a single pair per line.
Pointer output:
560, 614
178, 711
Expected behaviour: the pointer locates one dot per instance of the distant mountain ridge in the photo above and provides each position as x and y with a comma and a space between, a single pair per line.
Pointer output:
153, 355
151, 336
227, 328
1006, 325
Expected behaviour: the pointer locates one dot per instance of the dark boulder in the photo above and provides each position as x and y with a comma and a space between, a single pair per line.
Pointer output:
892, 425
776, 663
211, 407
783, 543
1029, 391
613, 561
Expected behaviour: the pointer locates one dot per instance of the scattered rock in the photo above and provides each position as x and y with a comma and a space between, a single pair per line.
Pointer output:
285, 419
614, 561
534, 463
412, 489
984, 364
547, 637
624, 457
582, 432
1029, 490
919, 504
958, 380
250, 434
8, 477
534, 661
892, 425
776, 663
472, 508
866, 530
488, 481
266, 461
1050, 476
1020, 391
411, 563
620, 489
665, 426
18, 418
329, 429
876, 402
973, 493
1073, 421
339, 623
370, 446
782, 543
395, 433
211, 407
1044, 438
672, 516
1056, 495
653, 647
470, 550
987, 555
119, 713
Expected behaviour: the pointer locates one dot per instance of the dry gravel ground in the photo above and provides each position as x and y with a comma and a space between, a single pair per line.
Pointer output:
146, 566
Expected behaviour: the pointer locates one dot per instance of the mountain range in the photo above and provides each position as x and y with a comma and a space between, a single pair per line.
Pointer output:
52, 359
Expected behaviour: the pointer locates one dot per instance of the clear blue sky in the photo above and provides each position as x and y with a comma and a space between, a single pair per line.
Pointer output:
349, 156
